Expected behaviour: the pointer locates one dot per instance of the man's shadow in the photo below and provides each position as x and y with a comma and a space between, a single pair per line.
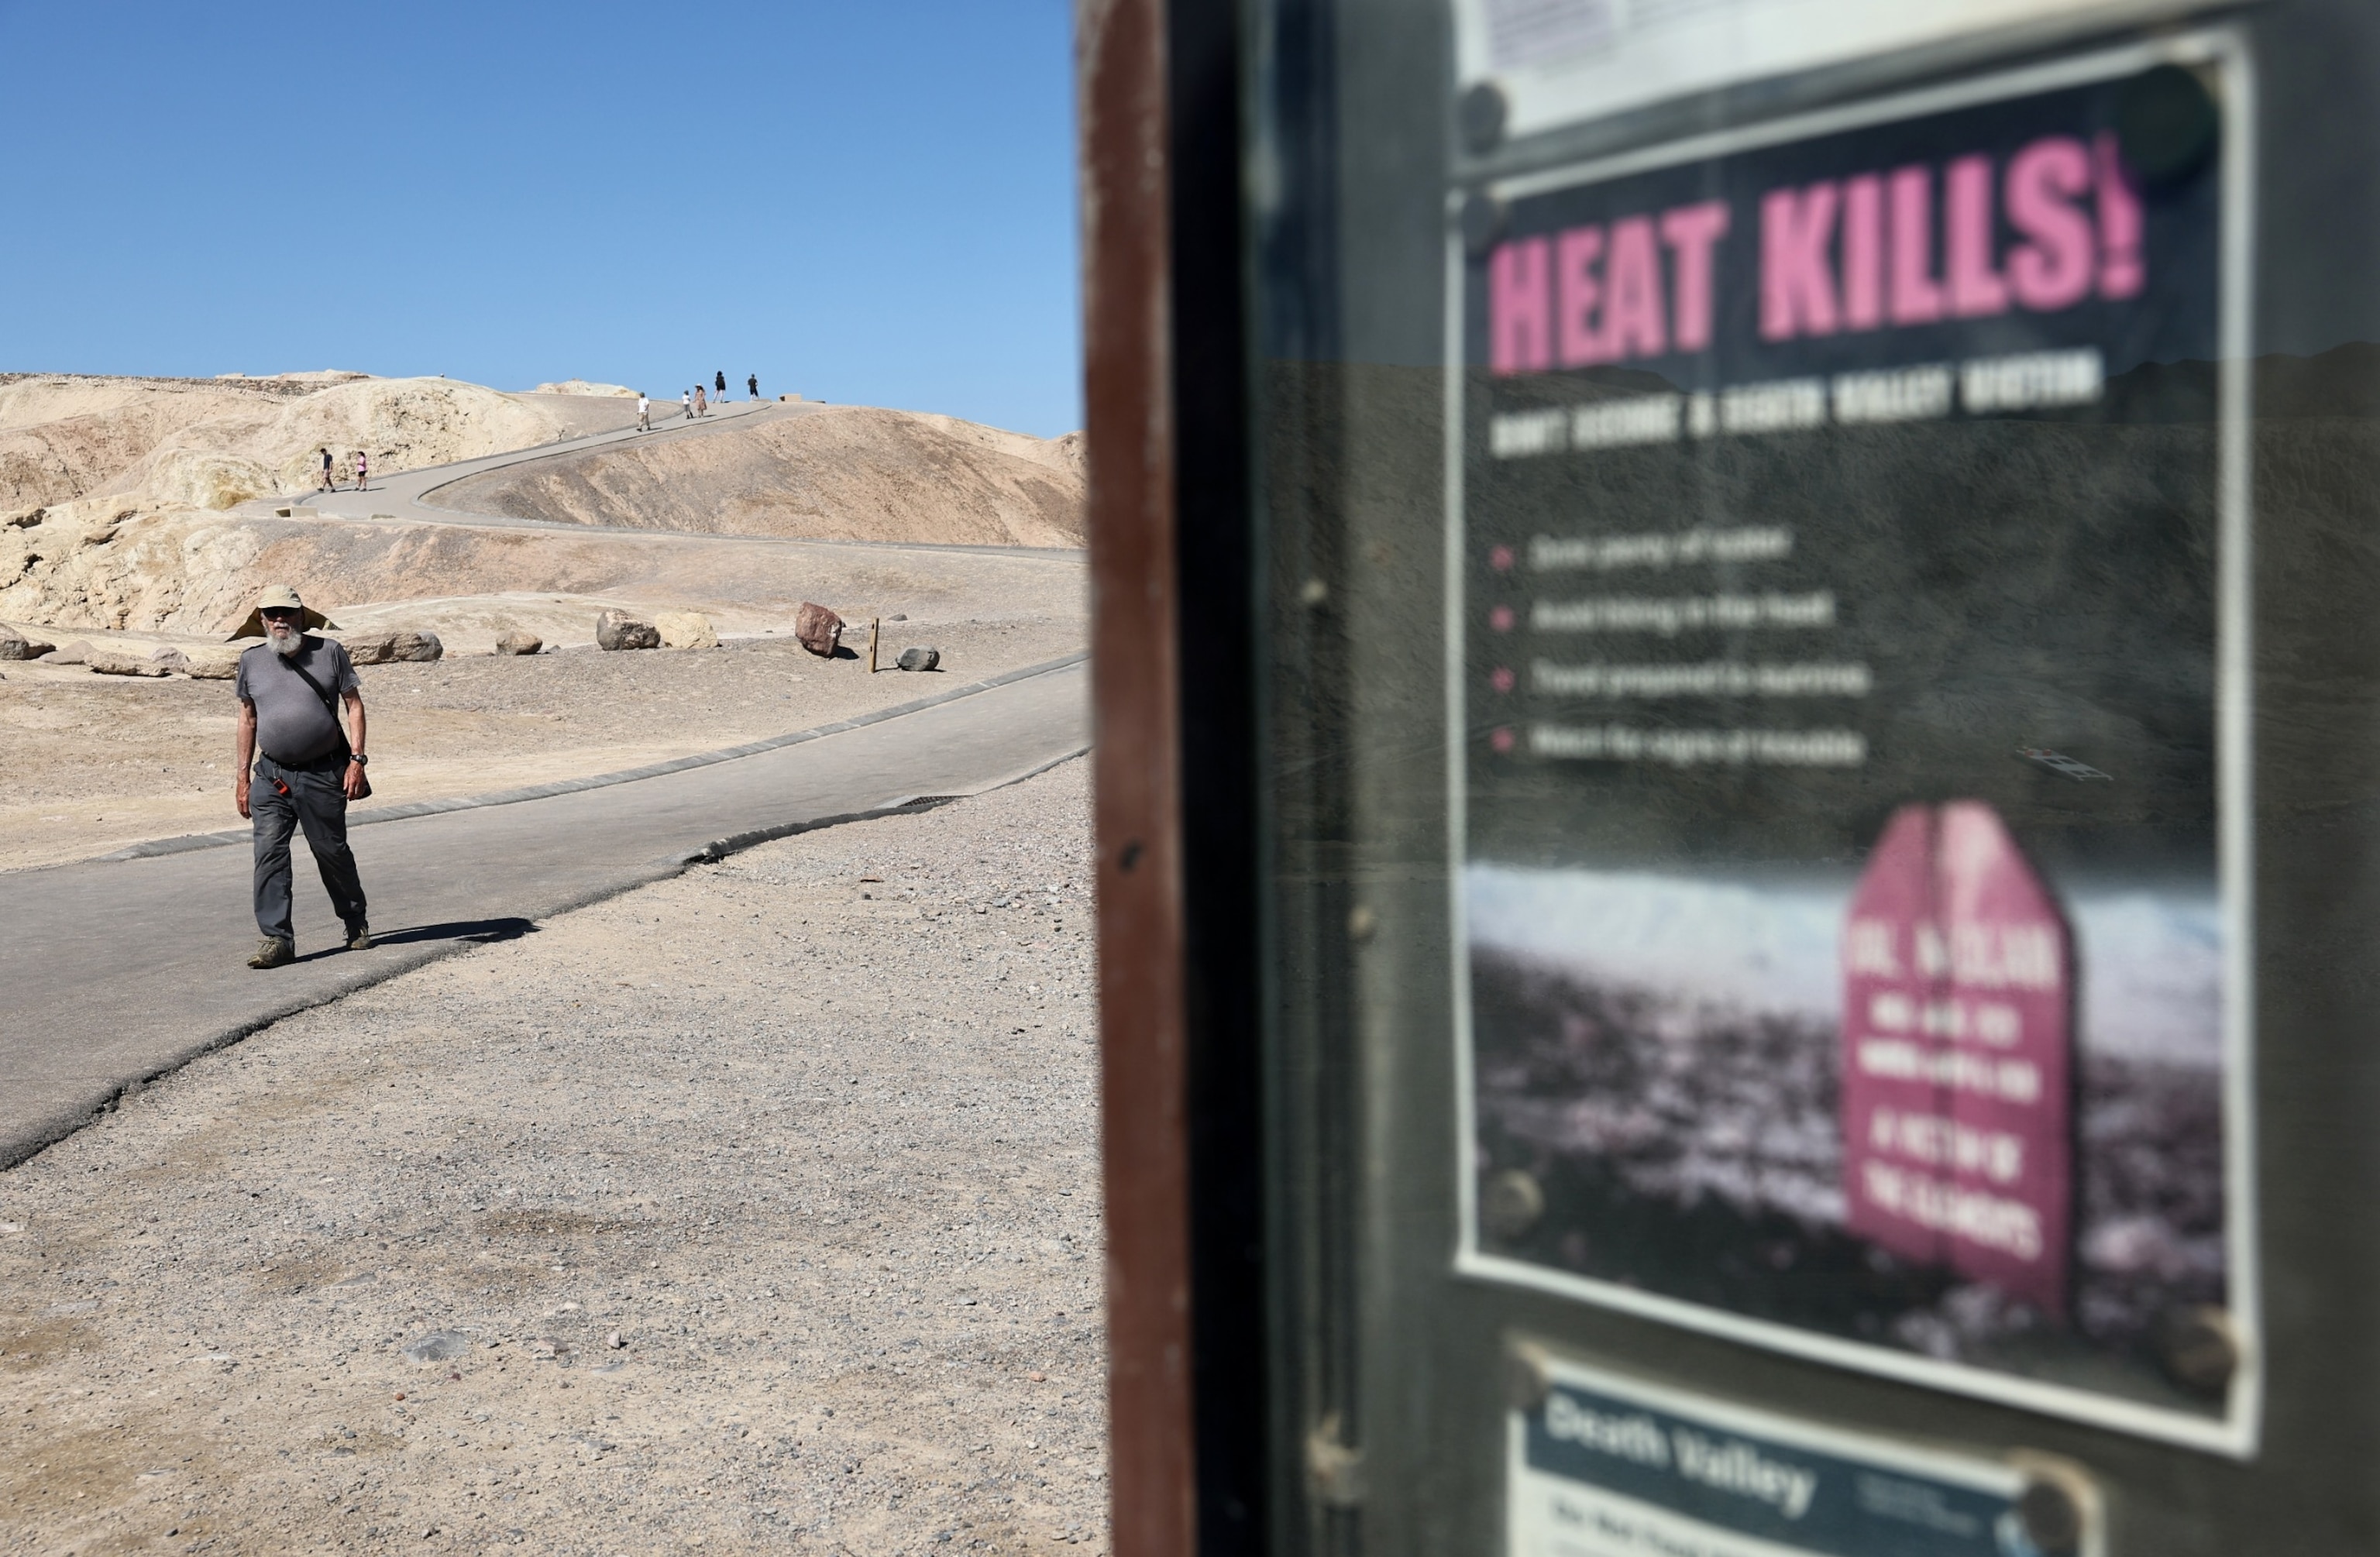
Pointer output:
477, 932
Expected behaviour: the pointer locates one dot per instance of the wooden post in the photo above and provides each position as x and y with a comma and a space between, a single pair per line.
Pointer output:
1144, 1075
872, 625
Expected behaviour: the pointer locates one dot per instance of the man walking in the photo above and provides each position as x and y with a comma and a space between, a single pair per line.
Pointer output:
752, 382
719, 384
306, 768
326, 470
644, 412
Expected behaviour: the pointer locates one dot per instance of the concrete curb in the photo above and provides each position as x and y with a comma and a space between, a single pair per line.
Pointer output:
720, 849
189, 840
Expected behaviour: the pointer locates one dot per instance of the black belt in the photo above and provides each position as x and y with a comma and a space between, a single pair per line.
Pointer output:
330, 763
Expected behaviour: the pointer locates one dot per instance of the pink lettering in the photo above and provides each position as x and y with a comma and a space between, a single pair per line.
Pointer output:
1692, 232
1519, 337
1862, 253
2122, 270
2054, 270
1975, 287
1797, 285
1916, 296
1578, 297
1634, 319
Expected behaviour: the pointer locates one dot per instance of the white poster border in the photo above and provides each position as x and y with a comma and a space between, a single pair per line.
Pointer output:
1712, 47
2236, 1432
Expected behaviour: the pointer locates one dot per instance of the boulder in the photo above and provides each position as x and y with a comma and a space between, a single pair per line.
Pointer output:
111, 660
173, 660
686, 629
818, 629
212, 662
15, 645
518, 642
919, 659
617, 629
75, 654
374, 649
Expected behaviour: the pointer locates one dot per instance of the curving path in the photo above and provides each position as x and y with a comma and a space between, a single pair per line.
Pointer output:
408, 496
402, 494
122, 968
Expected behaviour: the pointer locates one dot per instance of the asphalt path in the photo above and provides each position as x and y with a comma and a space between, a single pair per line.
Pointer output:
117, 970
412, 496
404, 494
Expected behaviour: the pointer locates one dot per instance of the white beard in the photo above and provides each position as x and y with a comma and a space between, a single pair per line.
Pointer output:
286, 645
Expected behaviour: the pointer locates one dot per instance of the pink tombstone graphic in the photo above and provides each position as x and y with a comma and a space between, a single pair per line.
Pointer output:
1957, 1091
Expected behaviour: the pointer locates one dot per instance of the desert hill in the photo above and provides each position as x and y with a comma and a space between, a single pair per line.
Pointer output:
833, 473
145, 504
217, 443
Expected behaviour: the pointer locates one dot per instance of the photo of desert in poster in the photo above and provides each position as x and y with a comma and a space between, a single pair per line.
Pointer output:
1850, 887
1663, 1055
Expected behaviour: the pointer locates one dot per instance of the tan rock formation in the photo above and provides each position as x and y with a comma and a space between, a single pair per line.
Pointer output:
686, 629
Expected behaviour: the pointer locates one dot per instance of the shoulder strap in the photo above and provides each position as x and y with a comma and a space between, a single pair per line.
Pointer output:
330, 704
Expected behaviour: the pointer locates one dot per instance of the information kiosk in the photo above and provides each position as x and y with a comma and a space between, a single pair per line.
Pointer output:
1738, 659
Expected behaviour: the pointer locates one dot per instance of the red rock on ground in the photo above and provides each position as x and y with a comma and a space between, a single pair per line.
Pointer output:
818, 629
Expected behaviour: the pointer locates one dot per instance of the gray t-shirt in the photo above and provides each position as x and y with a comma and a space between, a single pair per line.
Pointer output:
292, 726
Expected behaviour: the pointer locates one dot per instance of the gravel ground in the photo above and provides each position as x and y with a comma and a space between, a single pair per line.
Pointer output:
754, 1209
95, 762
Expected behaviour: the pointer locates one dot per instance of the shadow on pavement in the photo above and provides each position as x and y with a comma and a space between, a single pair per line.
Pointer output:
479, 931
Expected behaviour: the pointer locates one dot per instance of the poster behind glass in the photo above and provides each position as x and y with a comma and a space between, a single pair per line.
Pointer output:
1851, 861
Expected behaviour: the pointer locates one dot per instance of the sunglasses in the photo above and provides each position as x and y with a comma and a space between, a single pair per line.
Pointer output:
280, 613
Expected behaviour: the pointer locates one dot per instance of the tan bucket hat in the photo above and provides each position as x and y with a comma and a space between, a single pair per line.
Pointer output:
279, 597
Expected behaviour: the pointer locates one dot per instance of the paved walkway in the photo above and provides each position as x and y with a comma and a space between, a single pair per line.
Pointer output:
402, 494
410, 496
120, 969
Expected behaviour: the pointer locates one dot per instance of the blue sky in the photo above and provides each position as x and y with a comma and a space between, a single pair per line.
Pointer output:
869, 203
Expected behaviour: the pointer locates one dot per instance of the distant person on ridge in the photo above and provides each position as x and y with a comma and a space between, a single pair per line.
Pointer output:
326, 470
685, 398
644, 413
701, 405
719, 384
309, 767
753, 383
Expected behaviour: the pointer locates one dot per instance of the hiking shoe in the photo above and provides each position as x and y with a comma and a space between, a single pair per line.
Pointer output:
273, 952
359, 937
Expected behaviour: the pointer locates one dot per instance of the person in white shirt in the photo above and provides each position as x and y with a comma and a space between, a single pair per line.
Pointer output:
644, 413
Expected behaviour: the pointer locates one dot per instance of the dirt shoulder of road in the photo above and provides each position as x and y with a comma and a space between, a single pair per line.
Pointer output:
95, 762
754, 1209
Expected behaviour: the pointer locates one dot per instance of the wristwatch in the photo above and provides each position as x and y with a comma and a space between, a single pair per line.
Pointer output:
358, 757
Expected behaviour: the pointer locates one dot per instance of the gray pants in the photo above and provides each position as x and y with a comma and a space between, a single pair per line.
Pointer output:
317, 801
